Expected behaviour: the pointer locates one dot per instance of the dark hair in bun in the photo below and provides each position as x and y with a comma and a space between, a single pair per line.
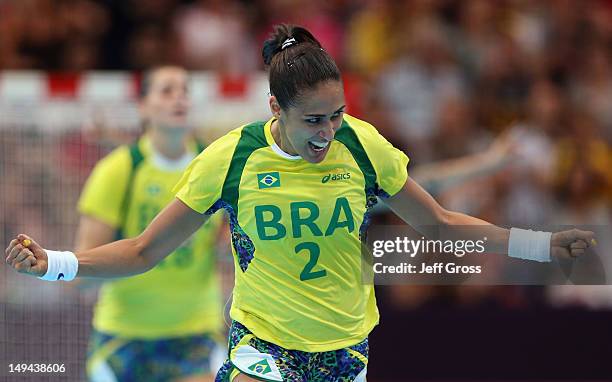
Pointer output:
296, 62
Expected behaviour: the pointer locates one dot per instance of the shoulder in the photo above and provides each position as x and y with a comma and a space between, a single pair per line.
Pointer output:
103, 192
119, 155
357, 134
380, 161
251, 134
232, 138
246, 137
116, 162
360, 127
212, 164
204, 179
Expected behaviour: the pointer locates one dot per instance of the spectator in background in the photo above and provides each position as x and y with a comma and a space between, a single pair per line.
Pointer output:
414, 85
142, 35
583, 180
149, 46
468, 187
369, 37
43, 34
528, 200
86, 23
37, 34
592, 86
475, 35
502, 85
583, 185
325, 19
213, 35
150, 11
456, 131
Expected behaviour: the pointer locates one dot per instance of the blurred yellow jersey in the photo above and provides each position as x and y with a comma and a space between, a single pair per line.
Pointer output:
181, 295
296, 229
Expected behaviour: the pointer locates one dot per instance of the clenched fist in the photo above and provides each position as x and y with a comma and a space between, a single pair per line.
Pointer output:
571, 243
26, 256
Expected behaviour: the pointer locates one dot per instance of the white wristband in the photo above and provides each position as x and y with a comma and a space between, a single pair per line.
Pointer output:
61, 265
529, 245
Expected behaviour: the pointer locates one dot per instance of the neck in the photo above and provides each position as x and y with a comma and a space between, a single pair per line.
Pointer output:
280, 139
171, 146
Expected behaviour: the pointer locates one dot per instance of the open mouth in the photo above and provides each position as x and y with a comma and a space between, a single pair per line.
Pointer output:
318, 146
179, 113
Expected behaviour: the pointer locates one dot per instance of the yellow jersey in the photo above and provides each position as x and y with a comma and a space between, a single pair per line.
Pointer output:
297, 228
181, 295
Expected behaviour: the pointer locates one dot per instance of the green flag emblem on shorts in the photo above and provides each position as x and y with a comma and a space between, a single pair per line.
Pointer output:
261, 367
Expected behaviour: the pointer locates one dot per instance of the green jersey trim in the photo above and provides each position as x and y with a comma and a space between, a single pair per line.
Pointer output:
252, 138
137, 156
347, 136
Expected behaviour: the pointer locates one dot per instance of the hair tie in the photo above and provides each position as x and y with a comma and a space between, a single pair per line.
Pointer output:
288, 42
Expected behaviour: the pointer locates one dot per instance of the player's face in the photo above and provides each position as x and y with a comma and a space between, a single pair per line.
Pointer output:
309, 127
167, 104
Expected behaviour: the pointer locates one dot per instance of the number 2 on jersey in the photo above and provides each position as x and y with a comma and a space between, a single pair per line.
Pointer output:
314, 251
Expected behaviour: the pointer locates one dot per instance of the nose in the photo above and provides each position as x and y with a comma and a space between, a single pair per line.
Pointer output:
327, 132
178, 94
181, 100
181, 97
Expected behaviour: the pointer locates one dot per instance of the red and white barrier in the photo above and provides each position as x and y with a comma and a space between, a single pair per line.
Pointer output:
60, 101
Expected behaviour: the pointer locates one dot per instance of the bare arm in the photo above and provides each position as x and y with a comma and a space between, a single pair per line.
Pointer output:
438, 177
92, 233
420, 210
167, 231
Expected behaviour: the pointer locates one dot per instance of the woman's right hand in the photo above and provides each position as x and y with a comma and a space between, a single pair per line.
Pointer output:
26, 256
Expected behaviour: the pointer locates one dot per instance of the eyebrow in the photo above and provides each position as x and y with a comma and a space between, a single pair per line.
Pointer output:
323, 115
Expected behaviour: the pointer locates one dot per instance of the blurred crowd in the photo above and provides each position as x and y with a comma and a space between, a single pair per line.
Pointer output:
440, 78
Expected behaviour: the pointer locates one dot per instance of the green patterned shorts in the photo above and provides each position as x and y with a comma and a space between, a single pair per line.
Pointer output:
112, 359
266, 361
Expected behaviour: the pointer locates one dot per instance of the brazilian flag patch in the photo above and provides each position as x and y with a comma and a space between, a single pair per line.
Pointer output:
261, 367
268, 180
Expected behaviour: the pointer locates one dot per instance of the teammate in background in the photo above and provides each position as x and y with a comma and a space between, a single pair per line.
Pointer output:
298, 189
162, 325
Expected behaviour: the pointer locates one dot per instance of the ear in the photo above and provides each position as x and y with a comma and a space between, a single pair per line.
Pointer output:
274, 107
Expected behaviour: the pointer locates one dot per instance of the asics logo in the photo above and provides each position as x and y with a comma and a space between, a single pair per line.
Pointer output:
334, 177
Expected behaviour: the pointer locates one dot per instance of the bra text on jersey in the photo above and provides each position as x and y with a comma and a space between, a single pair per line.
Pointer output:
269, 220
